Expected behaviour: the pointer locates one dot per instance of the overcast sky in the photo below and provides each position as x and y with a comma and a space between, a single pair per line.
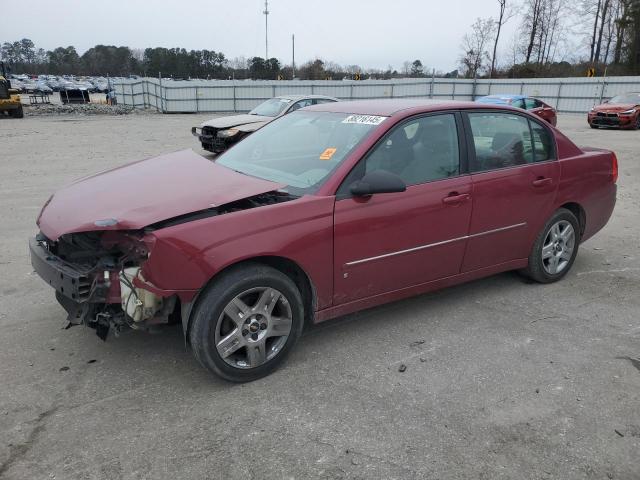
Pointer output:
370, 33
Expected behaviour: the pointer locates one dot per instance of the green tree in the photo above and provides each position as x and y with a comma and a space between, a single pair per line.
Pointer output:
417, 69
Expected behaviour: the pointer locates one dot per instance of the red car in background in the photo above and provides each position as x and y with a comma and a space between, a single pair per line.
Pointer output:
622, 111
326, 211
533, 105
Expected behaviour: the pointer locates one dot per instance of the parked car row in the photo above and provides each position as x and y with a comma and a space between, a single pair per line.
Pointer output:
48, 84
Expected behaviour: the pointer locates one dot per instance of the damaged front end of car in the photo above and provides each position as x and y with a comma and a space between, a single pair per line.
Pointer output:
98, 280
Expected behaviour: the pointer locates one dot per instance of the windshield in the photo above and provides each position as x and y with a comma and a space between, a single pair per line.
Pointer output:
626, 98
271, 108
300, 149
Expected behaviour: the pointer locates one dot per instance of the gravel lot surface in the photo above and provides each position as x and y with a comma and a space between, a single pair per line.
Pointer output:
504, 379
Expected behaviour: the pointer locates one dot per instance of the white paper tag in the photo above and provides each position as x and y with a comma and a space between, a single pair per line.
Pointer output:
364, 119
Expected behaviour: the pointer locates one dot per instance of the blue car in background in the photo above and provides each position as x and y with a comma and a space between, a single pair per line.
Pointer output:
535, 106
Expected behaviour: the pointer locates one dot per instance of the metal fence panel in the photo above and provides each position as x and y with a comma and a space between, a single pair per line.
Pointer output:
576, 95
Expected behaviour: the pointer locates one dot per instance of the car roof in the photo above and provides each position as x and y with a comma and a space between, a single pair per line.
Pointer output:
389, 106
301, 97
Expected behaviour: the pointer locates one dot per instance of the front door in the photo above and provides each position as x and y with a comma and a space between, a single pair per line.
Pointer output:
387, 242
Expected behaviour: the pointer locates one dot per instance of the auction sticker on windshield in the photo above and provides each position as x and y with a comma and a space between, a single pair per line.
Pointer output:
364, 119
328, 153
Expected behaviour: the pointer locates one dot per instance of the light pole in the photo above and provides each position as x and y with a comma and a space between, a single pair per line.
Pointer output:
266, 29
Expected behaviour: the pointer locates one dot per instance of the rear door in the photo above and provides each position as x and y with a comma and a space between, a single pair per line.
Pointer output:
515, 177
391, 241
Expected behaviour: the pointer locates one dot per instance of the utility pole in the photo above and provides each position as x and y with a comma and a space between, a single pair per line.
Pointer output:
293, 57
266, 29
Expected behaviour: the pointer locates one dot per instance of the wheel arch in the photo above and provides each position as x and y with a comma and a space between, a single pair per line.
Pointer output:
283, 264
579, 212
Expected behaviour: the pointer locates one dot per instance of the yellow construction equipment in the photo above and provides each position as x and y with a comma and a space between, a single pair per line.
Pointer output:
9, 98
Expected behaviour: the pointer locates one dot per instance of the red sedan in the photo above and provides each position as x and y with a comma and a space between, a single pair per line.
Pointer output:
326, 211
622, 111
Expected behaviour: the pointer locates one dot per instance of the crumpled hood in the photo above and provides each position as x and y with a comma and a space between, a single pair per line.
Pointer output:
146, 192
614, 107
236, 120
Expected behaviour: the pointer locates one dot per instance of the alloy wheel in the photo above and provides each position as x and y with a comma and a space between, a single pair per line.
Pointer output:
253, 327
558, 247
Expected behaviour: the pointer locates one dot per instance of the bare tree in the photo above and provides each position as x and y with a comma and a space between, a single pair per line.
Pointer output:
474, 45
589, 6
531, 23
503, 17
603, 22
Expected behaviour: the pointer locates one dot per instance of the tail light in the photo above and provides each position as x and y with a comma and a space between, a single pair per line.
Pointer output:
614, 167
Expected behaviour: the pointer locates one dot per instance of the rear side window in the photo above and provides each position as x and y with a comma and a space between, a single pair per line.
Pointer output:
518, 103
504, 140
532, 103
542, 143
320, 101
501, 140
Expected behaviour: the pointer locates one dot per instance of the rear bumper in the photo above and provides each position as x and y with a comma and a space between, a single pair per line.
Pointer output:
68, 281
599, 210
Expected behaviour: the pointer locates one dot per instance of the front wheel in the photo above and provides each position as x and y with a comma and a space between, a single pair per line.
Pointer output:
247, 322
555, 248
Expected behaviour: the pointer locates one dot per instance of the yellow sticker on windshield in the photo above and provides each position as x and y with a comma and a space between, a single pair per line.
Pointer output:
328, 153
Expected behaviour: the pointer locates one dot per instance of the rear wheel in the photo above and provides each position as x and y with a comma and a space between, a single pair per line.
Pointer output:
555, 248
593, 126
18, 112
637, 124
247, 322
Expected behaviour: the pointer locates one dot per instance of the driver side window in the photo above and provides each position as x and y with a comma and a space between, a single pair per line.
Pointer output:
418, 151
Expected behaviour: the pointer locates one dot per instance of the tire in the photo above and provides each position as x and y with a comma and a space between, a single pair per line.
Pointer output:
593, 126
637, 124
555, 248
231, 334
18, 112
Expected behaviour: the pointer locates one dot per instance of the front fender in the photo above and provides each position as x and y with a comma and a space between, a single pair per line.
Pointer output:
185, 257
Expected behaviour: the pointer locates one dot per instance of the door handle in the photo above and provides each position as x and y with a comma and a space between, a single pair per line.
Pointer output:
542, 182
454, 198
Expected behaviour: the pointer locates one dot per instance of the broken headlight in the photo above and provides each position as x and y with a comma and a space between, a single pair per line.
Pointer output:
228, 133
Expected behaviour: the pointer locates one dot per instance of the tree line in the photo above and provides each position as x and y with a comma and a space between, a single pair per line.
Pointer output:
22, 56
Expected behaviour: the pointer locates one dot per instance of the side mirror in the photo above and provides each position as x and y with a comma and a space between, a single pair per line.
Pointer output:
378, 181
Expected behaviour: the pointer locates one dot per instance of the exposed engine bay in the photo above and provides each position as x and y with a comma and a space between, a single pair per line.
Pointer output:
98, 280
98, 276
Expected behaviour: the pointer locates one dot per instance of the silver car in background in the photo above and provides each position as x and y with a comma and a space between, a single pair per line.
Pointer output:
218, 134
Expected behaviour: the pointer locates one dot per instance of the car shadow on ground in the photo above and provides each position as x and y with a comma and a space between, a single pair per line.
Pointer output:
166, 343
